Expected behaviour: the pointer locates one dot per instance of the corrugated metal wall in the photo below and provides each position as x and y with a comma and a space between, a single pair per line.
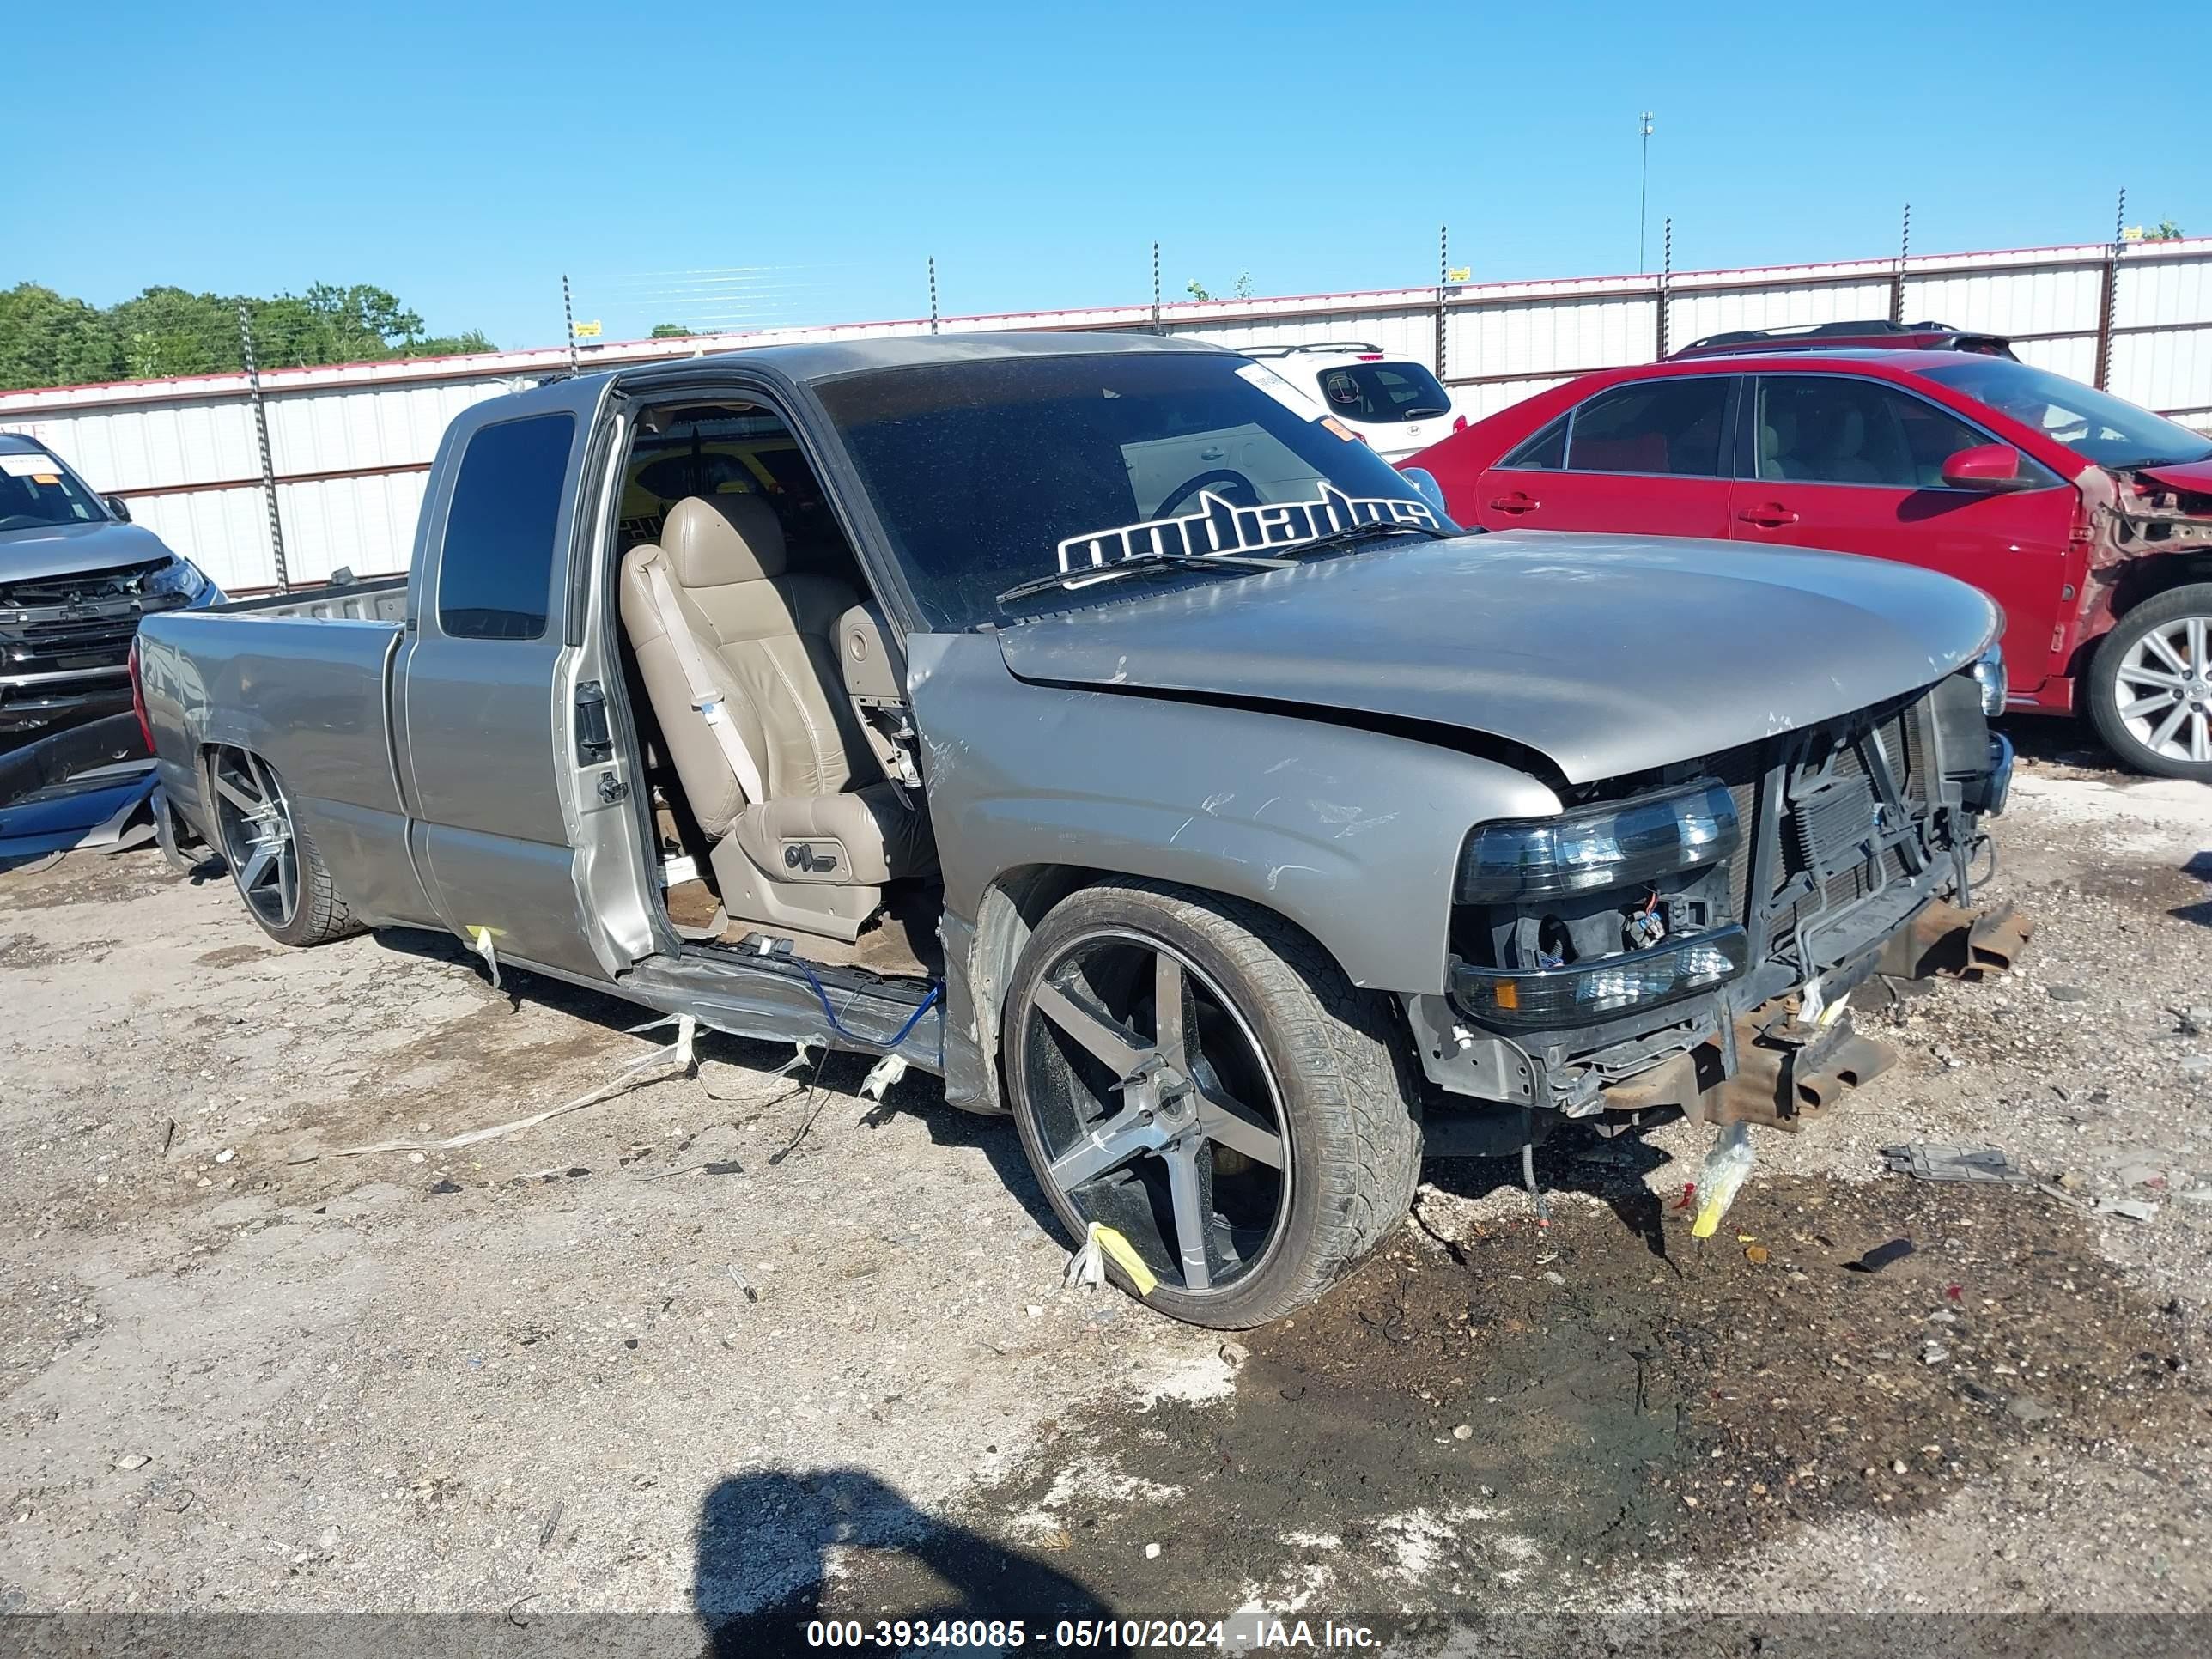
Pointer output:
351, 445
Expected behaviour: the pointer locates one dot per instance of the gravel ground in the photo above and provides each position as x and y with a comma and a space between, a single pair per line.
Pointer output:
741, 1349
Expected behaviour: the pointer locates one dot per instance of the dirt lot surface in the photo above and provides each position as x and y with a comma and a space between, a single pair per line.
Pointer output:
743, 1351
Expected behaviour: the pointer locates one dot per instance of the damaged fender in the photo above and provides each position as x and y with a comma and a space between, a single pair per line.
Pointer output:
1353, 834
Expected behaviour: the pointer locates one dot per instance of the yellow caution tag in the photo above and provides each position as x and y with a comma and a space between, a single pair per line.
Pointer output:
1126, 1257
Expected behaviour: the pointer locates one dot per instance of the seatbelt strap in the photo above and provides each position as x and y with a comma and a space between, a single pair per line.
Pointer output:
705, 697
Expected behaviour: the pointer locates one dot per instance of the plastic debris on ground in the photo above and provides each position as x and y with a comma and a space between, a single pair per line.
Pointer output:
1881, 1256
1723, 1177
2135, 1209
88, 787
1925, 1162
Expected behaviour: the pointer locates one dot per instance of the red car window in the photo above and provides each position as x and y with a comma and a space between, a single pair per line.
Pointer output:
1837, 429
1670, 425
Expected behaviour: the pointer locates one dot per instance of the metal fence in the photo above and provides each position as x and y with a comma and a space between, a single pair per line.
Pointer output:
292, 473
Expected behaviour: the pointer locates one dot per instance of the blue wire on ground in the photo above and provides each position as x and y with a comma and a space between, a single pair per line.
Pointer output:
838, 1026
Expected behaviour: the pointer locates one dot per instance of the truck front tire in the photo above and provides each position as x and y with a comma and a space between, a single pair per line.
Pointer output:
1251, 1148
2150, 685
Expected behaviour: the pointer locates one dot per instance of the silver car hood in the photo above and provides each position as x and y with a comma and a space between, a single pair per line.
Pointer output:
1609, 654
72, 550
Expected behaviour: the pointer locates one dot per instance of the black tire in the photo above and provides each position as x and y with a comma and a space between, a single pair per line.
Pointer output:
274, 862
1340, 1092
2121, 683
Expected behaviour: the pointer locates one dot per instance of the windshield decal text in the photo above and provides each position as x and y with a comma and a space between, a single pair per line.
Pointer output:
1221, 526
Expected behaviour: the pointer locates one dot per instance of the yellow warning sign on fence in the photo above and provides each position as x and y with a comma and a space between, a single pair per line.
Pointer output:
587, 331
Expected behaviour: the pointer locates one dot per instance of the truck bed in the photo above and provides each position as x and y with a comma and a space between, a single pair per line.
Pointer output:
383, 600
315, 702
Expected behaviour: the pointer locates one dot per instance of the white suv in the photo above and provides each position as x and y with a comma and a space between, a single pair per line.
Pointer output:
1395, 406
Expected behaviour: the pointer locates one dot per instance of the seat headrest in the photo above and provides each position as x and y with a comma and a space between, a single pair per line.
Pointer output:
710, 540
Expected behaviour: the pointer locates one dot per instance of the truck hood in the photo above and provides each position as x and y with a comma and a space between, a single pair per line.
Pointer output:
1608, 654
70, 550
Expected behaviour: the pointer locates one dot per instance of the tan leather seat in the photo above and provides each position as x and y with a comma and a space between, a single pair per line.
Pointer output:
830, 830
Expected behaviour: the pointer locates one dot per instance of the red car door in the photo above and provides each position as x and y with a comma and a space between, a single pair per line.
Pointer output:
1646, 456
1855, 465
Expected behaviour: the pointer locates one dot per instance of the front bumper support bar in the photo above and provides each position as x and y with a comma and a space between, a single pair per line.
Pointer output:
1787, 1072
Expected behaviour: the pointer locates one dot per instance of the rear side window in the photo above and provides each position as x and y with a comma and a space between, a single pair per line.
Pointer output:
1383, 392
1545, 452
496, 571
1832, 429
1670, 426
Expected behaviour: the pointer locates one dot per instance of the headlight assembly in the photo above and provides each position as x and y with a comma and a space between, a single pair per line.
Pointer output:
1613, 846
181, 579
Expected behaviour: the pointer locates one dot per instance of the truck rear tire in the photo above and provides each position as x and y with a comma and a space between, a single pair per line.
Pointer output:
2150, 685
1253, 1146
285, 883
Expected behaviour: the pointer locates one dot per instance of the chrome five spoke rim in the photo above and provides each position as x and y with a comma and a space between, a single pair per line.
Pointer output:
2166, 689
257, 835
1157, 1111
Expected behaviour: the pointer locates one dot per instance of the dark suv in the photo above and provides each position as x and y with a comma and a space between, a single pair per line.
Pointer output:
1878, 333
75, 576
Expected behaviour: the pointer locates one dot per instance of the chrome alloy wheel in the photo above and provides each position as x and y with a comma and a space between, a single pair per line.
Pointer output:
1157, 1109
2163, 689
259, 842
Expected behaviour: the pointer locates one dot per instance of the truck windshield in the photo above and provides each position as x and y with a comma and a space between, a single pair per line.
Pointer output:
36, 493
2093, 424
990, 473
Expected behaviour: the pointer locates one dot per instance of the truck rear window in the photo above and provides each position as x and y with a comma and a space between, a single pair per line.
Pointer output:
495, 569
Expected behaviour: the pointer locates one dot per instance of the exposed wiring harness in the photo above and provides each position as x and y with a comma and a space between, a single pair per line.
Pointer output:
837, 1026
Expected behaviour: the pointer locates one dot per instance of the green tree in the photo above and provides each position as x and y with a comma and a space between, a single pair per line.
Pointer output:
48, 338
1196, 290
168, 331
2167, 231
669, 331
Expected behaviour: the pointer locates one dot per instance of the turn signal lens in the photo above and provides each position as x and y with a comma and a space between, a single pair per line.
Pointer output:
1587, 993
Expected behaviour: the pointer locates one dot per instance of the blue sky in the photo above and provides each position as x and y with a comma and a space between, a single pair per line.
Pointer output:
464, 157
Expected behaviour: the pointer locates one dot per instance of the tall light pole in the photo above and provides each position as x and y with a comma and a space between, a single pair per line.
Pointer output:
1644, 189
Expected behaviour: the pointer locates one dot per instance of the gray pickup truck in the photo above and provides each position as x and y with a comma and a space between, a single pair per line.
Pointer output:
1093, 721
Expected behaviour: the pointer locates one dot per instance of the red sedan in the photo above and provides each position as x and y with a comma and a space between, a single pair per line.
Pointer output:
2088, 519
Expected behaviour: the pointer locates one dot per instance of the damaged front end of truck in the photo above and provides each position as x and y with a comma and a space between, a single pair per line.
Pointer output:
1691, 939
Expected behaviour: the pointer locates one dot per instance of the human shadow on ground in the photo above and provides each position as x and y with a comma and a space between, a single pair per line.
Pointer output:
763, 1559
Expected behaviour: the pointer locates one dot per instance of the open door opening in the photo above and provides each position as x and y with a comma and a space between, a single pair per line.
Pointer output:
768, 690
